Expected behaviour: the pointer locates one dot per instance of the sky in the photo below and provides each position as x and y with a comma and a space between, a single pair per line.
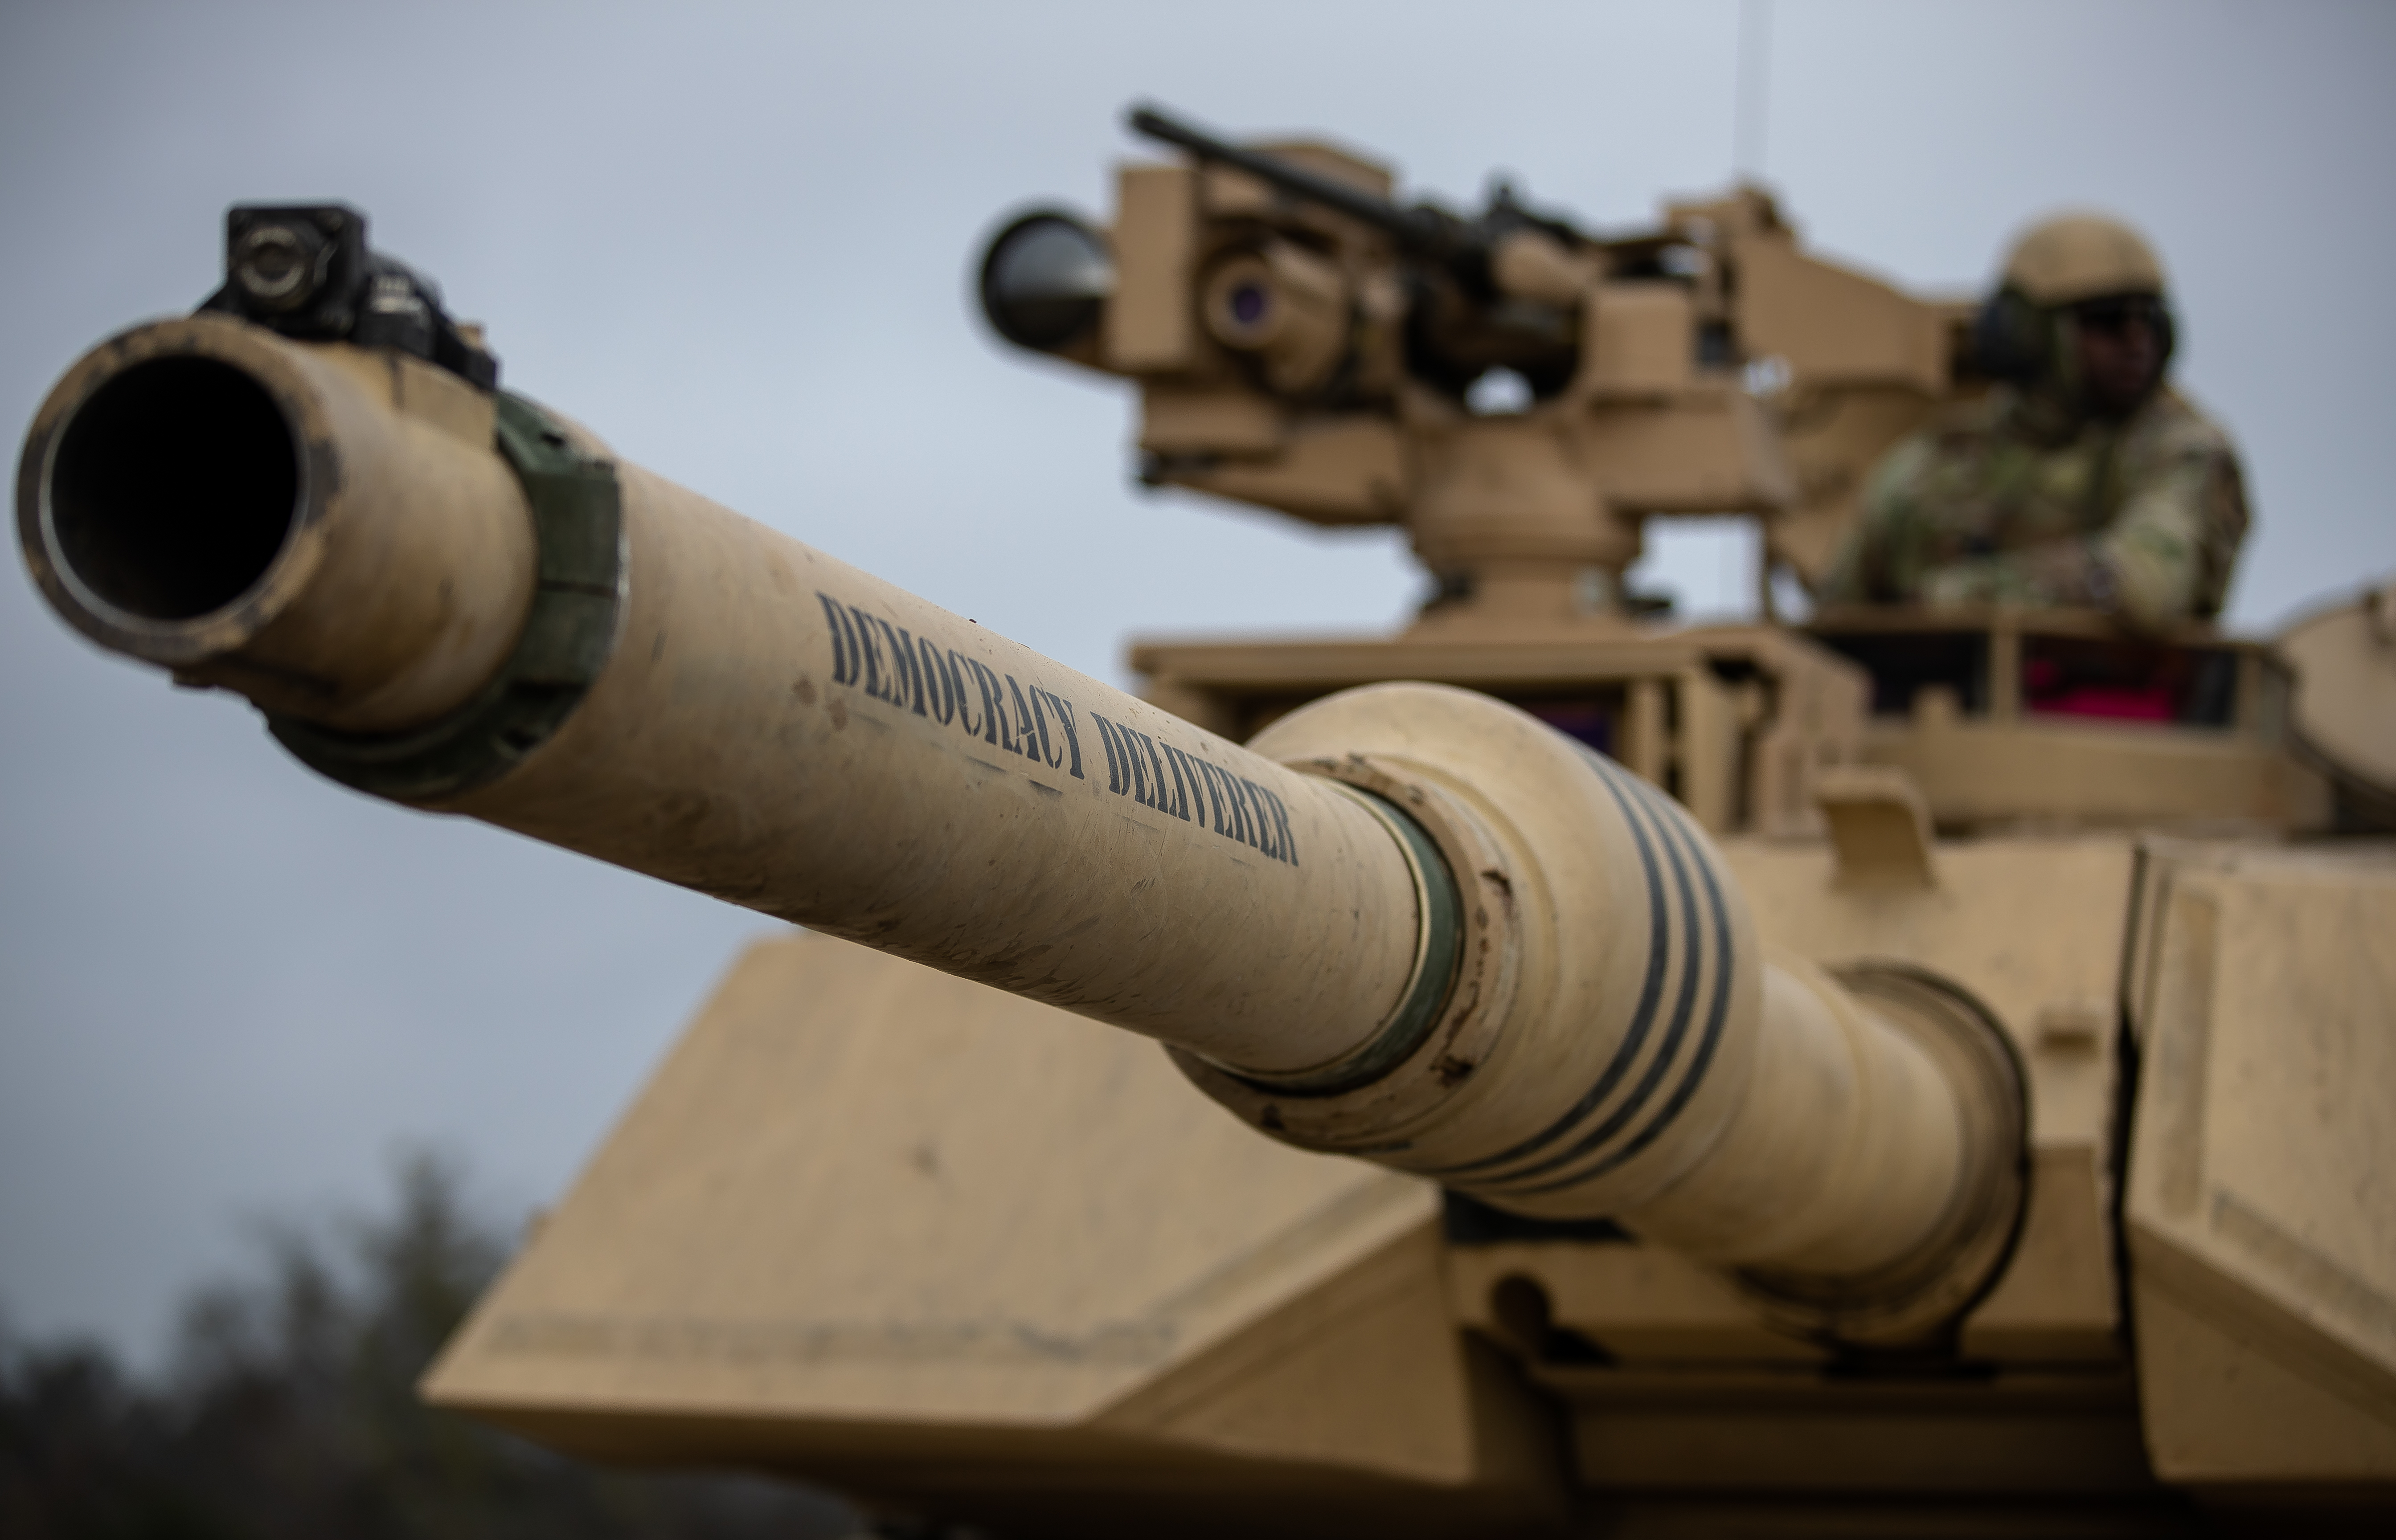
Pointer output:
735, 240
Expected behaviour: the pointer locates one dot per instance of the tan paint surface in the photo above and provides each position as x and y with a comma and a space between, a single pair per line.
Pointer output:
1012, 1215
2022, 924
967, 820
2262, 1217
2124, 774
2345, 706
1150, 324
882, 1226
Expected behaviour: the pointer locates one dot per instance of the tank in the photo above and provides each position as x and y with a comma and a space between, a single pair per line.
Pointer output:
1906, 1073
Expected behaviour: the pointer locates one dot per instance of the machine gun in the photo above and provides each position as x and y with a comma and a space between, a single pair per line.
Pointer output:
1494, 292
1426, 230
1498, 291
1519, 395
1643, 1219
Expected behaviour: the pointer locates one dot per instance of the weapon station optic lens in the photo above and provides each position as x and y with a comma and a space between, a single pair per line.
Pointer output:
1242, 302
280, 266
1046, 281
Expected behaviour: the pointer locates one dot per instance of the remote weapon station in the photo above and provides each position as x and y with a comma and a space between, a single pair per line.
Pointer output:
1789, 1079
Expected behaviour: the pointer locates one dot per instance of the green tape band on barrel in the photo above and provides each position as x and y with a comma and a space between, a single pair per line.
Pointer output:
1427, 992
578, 526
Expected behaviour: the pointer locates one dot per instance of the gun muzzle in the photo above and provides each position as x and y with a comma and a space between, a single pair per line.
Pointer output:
324, 529
1408, 923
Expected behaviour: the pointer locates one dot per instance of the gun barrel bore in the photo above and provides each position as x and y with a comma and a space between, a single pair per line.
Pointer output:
133, 542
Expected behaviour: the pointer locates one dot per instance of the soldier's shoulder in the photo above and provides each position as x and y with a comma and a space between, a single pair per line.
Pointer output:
1970, 422
1955, 430
2173, 426
1901, 466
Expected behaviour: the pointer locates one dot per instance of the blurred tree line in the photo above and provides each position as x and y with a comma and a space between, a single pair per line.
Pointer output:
290, 1410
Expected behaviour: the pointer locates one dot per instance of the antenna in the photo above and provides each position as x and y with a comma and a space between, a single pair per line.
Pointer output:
1754, 88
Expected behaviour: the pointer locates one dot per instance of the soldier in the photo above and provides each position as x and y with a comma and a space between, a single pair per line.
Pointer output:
2081, 479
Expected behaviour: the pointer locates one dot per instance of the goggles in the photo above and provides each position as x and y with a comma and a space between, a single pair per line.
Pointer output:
2117, 314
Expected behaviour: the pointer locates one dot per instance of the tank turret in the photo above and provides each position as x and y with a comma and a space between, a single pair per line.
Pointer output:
1407, 923
1770, 1063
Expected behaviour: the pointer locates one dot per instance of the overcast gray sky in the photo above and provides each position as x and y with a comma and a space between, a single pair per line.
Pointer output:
735, 241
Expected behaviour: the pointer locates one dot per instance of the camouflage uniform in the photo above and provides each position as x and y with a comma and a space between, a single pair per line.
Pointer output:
2017, 501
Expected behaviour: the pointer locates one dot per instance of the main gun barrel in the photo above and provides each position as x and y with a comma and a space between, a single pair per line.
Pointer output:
764, 724
1407, 923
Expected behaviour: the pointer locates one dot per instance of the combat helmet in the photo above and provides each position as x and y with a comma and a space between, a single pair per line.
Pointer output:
2075, 257
2067, 260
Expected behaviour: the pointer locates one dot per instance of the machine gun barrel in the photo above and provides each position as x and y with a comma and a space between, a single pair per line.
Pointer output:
1407, 923
1423, 232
